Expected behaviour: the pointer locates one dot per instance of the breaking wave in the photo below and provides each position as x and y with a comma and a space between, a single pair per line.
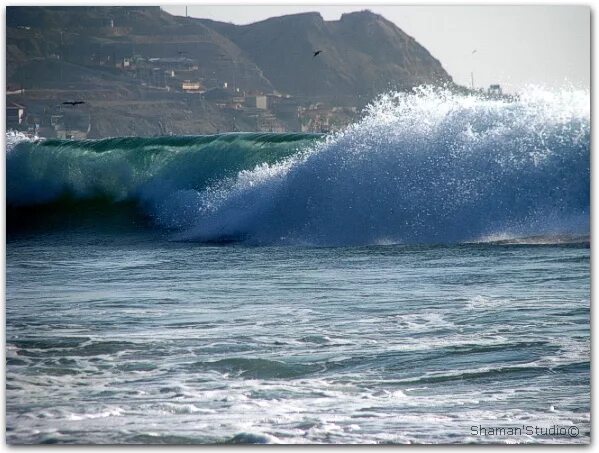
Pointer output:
421, 167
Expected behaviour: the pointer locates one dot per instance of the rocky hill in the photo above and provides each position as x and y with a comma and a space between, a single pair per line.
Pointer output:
362, 54
137, 58
87, 36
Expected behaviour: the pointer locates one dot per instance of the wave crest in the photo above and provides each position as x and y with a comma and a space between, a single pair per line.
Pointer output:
428, 166
421, 167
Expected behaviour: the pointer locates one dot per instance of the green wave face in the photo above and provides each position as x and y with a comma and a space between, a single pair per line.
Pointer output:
120, 169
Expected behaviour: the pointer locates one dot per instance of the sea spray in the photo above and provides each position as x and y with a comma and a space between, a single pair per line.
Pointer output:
421, 167
428, 166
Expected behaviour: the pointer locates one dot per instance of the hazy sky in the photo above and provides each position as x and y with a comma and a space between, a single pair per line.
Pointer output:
516, 45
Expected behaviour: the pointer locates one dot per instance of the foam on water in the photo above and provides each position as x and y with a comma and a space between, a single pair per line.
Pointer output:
290, 344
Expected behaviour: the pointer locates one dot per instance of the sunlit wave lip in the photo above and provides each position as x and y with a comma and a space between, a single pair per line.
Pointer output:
429, 166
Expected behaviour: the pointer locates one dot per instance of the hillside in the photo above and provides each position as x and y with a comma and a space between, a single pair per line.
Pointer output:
132, 64
363, 54
91, 35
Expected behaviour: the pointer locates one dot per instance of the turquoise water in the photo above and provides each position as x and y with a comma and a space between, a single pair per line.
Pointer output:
420, 277
136, 339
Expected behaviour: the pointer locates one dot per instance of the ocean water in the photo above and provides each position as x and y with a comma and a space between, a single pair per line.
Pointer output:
421, 277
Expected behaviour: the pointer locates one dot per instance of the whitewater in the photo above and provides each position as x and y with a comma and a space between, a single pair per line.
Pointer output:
428, 166
422, 272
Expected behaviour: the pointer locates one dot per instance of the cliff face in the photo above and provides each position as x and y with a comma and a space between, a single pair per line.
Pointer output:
363, 54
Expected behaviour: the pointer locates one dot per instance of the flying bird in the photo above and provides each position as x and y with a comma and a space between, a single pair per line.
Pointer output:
316, 53
474, 51
73, 103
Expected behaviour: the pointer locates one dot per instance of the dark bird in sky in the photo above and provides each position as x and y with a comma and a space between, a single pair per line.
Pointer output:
73, 103
316, 53
181, 52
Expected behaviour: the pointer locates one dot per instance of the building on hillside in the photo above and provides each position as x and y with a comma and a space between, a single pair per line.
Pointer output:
257, 102
265, 121
15, 115
152, 77
236, 103
286, 108
192, 87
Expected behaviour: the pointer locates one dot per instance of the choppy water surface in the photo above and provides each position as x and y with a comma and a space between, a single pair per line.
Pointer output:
131, 338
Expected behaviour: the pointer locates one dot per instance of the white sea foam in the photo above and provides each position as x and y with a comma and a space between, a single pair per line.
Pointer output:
430, 166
